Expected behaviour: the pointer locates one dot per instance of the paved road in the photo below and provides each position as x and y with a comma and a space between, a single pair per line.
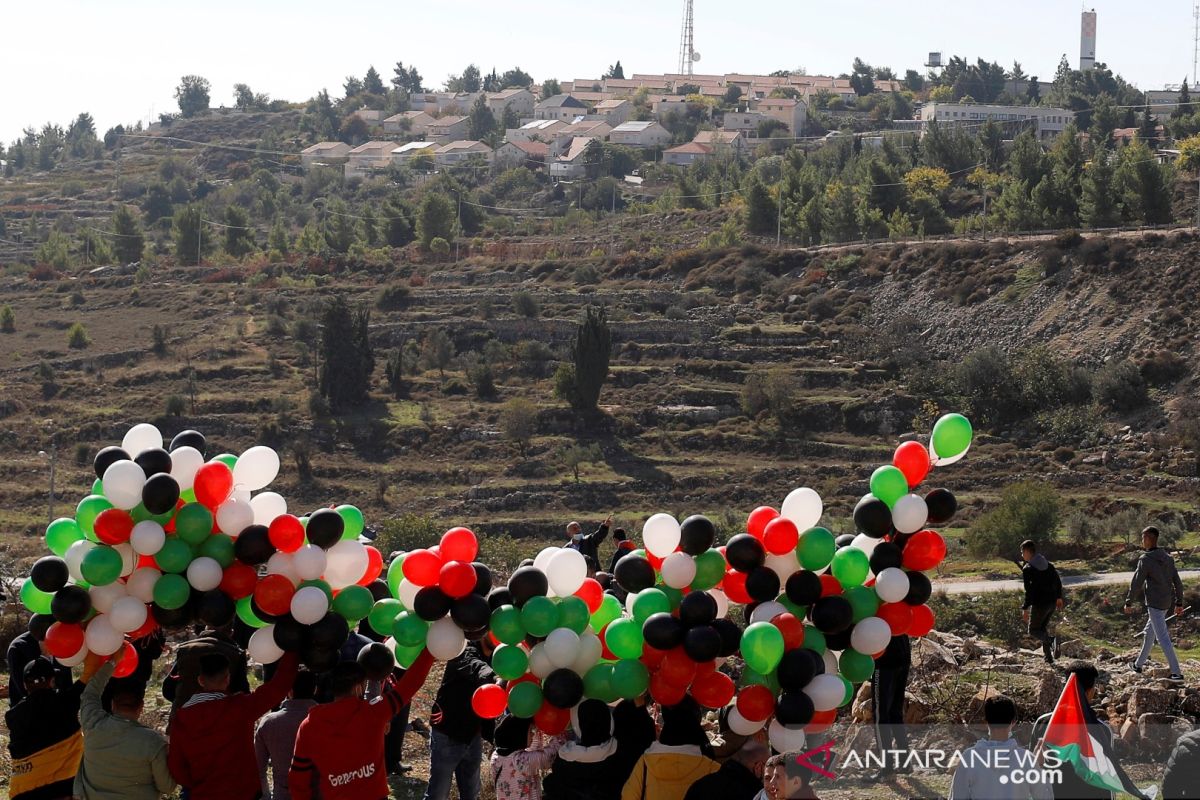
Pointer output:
1102, 579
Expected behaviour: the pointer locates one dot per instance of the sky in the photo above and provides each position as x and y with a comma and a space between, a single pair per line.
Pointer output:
120, 60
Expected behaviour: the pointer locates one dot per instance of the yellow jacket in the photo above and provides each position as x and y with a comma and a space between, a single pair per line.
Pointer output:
667, 772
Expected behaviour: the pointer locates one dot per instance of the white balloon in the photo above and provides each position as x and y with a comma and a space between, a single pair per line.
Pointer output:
262, 647
939, 461
722, 602
75, 660
141, 583
783, 565
309, 562
347, 562
184, 463
101, 637
870, 636
785, 739
309, 605
661, 535
147, 537
123, 481
802, 506
566, 571
590, 651
241, 495
256, 468
283, 564
765, 612
892, 585
562, 647
539, 662
204, 574
678, 570
234, 516
74, 557
141, 437
445, 640
267, 506
103, 597
542, 559
128, 558
128, 614
829, 657
910, 513
742, 726
865, 543
406, 593
826, 692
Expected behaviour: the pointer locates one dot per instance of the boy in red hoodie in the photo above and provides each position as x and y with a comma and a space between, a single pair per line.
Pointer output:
211, 753
339, 748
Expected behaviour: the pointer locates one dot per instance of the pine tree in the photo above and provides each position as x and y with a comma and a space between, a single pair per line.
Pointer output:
346, 358
239, 236
481, 120
590, 353
762, 212
129, 241
1148, 129
190, 242
372, 83
1098, 204
1185, 102
278, 240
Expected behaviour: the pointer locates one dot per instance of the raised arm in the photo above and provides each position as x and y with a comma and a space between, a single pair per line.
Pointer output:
91, 710
274, 691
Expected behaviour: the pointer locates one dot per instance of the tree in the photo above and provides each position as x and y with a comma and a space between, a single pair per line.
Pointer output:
491, 83
77, 337
516, 78
470, 80
436, 219
129, 240
519, 422
372, 83
398, 222
1184, 108
481, 121
246, 100
393, 370
616, 71
1033, 92
192, 95
437, 350
576, 455
1098, 205
590, 353
1017, 73
862, 78
239, 236
8, 320
406, 79
346, 357
190, 242
526, 305
352, 86
1028, 510
340, 230
278, 239
354, 130
1148, 129
550, 88
762, 211
913, 81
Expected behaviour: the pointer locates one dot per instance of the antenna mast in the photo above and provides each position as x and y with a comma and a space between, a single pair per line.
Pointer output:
687, 48
1195, 40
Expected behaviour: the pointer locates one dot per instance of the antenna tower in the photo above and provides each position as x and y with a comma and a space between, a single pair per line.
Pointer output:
687, 50
1195, 40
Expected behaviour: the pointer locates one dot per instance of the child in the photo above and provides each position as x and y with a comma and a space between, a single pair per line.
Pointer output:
779, 785
517, 765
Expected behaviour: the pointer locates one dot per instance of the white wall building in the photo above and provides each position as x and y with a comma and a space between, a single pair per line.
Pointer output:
1048, 122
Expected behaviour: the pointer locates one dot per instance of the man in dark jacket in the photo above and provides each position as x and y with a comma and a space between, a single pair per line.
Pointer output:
1182, 778
739, 778
624, 546
888, 684
588, 544
1158, 579
28, 647
44, 739
456, 743
182, 680
1043, 596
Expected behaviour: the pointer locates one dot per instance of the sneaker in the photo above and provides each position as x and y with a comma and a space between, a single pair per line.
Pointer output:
881, 775
1175, 676
1133, 666
1055, 647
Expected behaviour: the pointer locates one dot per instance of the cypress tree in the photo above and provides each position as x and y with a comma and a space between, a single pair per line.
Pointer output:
590, 352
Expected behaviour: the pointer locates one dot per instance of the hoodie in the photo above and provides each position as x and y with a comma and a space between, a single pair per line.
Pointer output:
986, 768
624, 548
1043, 587
583, 769
666, 772
1157, 574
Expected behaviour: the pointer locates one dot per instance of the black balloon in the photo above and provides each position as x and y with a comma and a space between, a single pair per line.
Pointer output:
942, 506
263, 615
483, 578
49, 574
845, 540
525, 583
663, 631
795, 669
330, 630
840, 640
763, 584
563, 688
817, 661
377, 661
919, 589
106, 458
160, 493
794, 708
873, 517
320, 659
697, 608
702, 643
216, 609
885, 555
379, 589
743, 552
153, 461
477, 634
71, 604
325, 528
431, 604
731, 636
170, 618
500, 596
39, 624
832, 614
697, 534
289, 635
253, 546
471, 612
634, 574
190, 439
803, 587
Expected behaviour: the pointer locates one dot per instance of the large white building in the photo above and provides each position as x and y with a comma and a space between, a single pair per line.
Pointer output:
1049, 121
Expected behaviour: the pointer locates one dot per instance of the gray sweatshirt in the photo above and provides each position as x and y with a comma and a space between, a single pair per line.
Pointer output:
1156, 571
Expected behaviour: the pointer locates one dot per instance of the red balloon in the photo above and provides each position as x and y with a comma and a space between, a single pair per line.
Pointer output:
148, 627
677, 667
925, 550
489, 701
374, 566
239, 580
655, 561
703, 668
422, 567
63, 640
756, 523
212, 484
713, 690
286, 532
922, 621
146, 561
127, 663
781, 536
552, 720
821, 720
735, 587
755, 702
605, 653
898, 616
592, 593
113, 526
456, 579
459, 544
274, 594
830, 585
912, 459
791, 628
652, 657
665, 692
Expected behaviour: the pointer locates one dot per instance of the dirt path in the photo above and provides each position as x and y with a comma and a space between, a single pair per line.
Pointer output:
1093, 579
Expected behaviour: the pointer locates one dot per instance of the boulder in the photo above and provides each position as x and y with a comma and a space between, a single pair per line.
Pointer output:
916, 710
1157, 733
1129, 731
1150, 700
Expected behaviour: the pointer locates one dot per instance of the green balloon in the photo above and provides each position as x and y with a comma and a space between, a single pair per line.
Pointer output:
815, 548
506, 625
395, 574
140, 514
889, 484
61, 534
383, 615
409, 630
624, 638
188, 495
847, 692
353, 602
246, 613
610, 609
854, 666
539, 616
171, 591
353, 519
797, 611
597, 683
405, 656
649, 601
710, 570
320, 584
86, 512
37, 601
813, 640
674, 596
769, 680
630, 678
863, 601
850, 566
174, 556
101, 566
219, 548
98, 487
510, 661
573, 614
951, 436
762, 647
524, 699
228, 459
193, 523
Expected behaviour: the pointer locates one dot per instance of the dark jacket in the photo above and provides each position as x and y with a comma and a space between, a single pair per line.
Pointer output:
585, 769
43, 720
634, 731
452, 714
1043, 587
181, 682
897, 655
21, 651
1071, 786
1156, 572
589, 545
623, 549
733, 781
1182, 778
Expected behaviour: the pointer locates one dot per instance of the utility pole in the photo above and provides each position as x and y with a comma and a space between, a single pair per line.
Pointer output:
458, 238
779, 217
199, 238
985, 211
53, 456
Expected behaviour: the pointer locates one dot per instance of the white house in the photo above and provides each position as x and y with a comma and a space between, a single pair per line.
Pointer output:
463, 151
792, 113
415, 123
570, 165
370, 116
640, 134
407, 152
444, 130
324, 154
539, 130
521, 153
687, 154
613, 110
443, 102
1047, 121
519, 100
562, 107
721, 141
369, 157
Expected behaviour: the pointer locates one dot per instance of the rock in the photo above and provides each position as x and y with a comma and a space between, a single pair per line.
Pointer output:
861, 710
1158, 732
916, 710
982, 696
1129, 731
1049, 688
931, 655
1150, 700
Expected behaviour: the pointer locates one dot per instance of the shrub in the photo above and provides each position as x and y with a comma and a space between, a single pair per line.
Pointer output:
176, 405
408, 532
318, 406
77, 298
77, 337
454, 387
533, 358
482, 379
392, 297
159, 333
1163, 367
576, 455
1068, 240
1027, 510
564, 384
518, 423
83, 454
8, 320
1120, 386
276, 326
526, 305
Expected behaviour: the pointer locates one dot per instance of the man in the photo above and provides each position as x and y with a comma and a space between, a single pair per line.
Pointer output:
1181, 781
456, 744
25, 648
182, 679
122, 759
339, 749
985, 770
1043, 596
624, 547
1158, 579
212, 738
275, 739
588, 544
739, 778
888, 684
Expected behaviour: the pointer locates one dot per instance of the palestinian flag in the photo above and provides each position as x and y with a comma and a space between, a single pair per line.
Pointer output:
1069, 737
